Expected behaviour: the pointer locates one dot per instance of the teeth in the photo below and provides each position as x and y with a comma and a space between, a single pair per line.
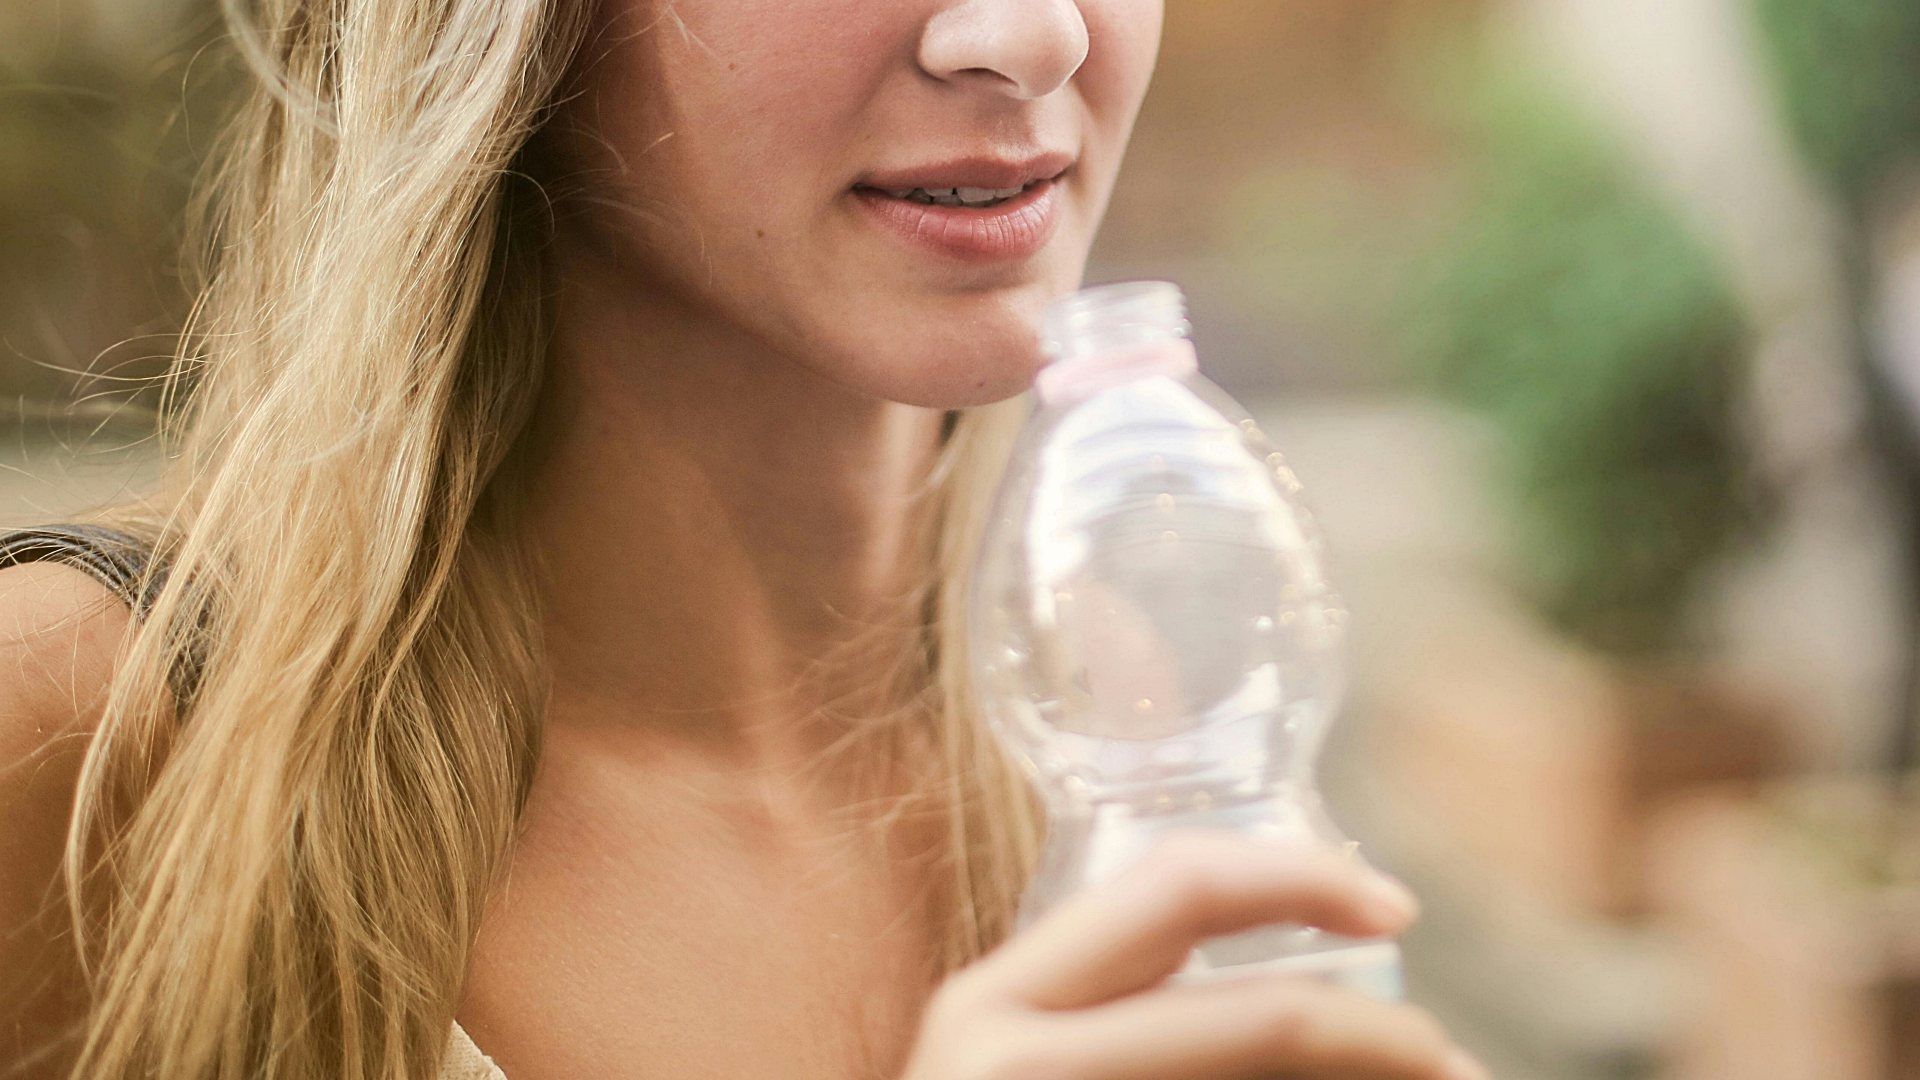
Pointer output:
956, 196
980, 194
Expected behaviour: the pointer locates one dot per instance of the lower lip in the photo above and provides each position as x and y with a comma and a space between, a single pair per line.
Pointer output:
1015, 229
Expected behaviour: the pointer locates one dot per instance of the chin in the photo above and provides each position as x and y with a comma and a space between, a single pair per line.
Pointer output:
953, 359
955, 352
944, 374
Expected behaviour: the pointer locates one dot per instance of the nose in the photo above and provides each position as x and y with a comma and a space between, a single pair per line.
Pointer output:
1022, 48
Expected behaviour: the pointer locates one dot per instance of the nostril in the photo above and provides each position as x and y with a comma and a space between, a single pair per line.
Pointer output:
984, 72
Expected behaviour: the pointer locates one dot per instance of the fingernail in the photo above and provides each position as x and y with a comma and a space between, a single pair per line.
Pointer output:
1461, 1066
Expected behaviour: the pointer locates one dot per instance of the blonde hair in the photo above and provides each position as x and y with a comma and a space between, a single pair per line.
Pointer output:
277, 865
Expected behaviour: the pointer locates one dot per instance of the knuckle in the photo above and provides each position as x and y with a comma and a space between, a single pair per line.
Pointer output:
1184, 903
1313, 1022
1292, 1029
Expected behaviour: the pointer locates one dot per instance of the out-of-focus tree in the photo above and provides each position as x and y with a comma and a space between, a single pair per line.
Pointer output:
1571, 306
1848, 72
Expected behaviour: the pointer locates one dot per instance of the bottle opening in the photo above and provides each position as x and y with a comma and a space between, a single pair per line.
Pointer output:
1114, 333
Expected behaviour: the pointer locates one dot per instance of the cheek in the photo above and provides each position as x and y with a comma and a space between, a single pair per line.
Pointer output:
760, 96
730, 129
717, 120
1119, 67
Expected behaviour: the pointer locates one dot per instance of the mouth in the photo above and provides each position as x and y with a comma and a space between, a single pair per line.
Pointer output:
971, 198
975, 210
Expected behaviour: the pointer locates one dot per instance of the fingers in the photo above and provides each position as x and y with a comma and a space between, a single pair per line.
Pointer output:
1114, 940
1257, 1027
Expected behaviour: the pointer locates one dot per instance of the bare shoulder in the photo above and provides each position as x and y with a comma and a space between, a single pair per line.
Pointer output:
60, 631
60, 634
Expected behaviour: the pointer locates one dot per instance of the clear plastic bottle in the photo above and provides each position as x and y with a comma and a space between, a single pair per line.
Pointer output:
1151, 627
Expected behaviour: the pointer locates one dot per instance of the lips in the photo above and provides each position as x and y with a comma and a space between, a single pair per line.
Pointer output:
998, 230
1015, 229
970, 172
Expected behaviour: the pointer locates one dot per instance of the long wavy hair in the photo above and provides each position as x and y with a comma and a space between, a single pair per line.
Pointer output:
321, 734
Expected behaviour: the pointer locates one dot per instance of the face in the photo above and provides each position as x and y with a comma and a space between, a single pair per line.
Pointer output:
755, 163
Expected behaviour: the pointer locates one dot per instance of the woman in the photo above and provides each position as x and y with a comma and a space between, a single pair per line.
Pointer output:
543, 639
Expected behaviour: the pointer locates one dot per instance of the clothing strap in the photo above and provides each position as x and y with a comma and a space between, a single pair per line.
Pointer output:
113, 558
118, 561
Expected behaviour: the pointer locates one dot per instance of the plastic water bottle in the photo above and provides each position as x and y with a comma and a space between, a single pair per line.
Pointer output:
1151, 628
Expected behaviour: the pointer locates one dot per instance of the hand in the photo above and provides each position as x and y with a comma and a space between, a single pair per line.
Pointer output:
1078, 996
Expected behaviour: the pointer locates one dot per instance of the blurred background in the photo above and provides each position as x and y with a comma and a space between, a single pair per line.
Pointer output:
1593, 329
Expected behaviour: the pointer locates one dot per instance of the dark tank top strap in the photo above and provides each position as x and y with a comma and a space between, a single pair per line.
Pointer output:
115, 559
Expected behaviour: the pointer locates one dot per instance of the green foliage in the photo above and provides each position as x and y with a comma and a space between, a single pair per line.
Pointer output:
1572, 308
1848, 75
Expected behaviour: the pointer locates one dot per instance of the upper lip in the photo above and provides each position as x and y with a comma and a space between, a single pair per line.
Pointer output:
979, 171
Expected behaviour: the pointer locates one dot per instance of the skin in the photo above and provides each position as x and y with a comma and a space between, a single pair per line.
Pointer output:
747, 381
59, 632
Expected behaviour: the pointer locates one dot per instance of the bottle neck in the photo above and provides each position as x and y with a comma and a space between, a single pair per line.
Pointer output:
1112, 334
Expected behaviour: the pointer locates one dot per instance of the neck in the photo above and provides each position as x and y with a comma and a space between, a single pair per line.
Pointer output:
735, 546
